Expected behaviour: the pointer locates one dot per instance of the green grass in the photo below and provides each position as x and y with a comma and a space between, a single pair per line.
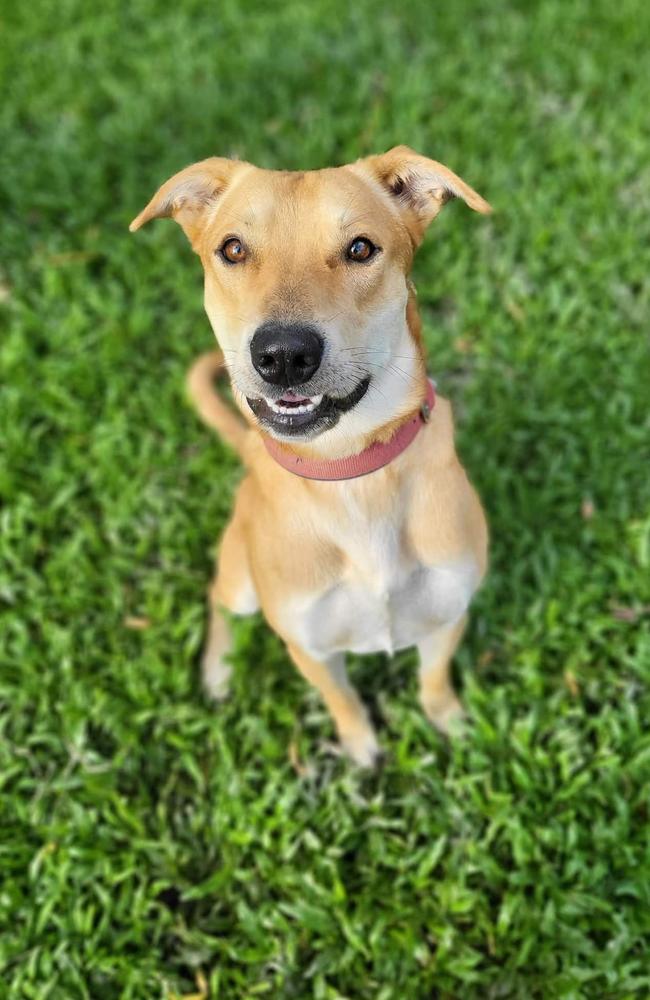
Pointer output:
146, 836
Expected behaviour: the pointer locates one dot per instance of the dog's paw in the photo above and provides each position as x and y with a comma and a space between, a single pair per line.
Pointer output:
447, 715
362, 747
216, 677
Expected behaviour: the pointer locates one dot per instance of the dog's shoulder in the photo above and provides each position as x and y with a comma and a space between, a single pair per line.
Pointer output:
438, 435
446, 520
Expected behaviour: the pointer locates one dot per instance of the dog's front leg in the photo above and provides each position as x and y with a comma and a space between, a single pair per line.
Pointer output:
215, 667
232, 590
330, 678
437, 695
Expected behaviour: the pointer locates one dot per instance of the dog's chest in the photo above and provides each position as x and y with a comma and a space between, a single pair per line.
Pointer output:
385, 598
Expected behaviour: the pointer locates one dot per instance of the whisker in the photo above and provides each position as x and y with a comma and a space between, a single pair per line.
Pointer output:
407, 376
370, 350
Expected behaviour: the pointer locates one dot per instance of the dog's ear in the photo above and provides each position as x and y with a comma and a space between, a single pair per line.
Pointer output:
189, 194
418, 186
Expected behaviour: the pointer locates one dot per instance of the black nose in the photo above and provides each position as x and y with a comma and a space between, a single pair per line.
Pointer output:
286, 354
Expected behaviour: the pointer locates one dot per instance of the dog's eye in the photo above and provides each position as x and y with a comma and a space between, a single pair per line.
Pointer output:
361, 249
233, 251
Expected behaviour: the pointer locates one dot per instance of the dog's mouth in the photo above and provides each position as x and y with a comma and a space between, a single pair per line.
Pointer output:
293, 414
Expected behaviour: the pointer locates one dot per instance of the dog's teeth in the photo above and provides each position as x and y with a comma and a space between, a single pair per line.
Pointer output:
278, 406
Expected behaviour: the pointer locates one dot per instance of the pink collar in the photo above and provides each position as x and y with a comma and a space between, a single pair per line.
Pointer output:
374, 457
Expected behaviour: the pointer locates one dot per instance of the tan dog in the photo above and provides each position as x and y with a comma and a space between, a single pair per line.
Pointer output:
307, 290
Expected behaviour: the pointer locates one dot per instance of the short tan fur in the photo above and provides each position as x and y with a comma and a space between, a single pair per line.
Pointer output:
385, 561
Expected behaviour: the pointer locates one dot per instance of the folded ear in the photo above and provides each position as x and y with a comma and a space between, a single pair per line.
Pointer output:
189, 194
419, 186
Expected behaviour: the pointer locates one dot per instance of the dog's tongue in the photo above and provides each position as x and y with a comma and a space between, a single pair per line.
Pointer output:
293, 397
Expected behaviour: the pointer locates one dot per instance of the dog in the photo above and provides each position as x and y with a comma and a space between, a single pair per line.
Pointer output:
355, 527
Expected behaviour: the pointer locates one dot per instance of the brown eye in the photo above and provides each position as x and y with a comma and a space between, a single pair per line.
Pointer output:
233, 251
361, 249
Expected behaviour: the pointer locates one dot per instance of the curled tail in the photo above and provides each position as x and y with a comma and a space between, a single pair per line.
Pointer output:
213, 410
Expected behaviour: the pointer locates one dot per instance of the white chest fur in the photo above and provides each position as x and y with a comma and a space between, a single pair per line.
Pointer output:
386, 598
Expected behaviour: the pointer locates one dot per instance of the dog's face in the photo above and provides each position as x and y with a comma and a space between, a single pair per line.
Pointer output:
306, 283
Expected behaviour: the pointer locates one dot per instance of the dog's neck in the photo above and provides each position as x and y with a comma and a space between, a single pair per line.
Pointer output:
370, 459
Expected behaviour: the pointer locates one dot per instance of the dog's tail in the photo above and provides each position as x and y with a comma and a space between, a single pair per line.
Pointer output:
213, 410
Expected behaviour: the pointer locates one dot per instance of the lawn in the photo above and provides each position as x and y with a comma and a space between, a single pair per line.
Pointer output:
154, 847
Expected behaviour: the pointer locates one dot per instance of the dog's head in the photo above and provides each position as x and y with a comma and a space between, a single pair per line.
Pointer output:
306, 283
